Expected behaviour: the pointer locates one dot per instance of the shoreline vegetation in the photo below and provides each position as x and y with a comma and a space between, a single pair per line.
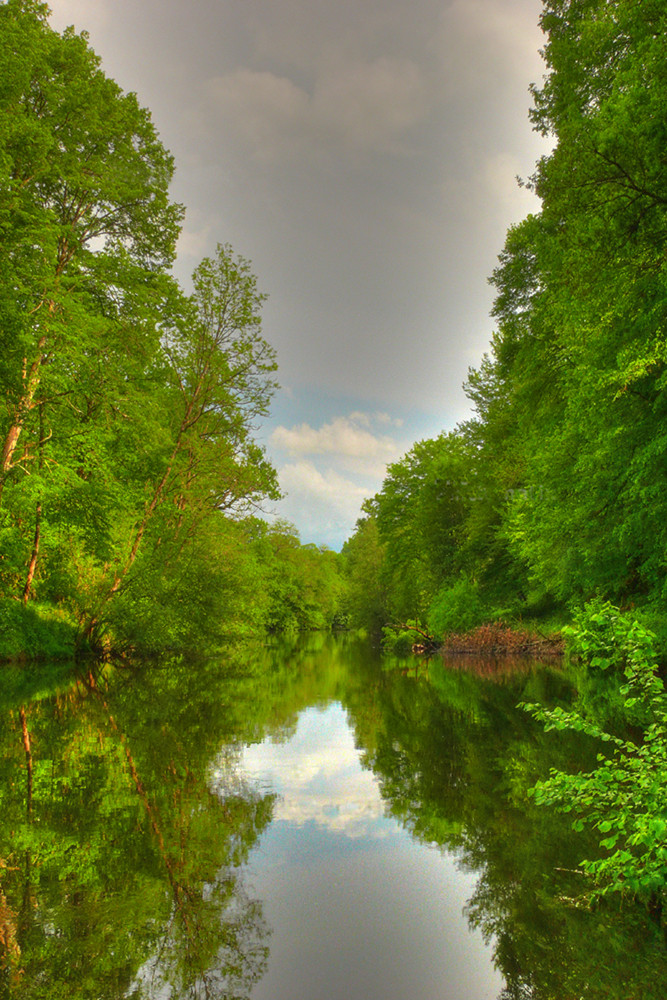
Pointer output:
132, 489
488, 640
35, 634
499, 638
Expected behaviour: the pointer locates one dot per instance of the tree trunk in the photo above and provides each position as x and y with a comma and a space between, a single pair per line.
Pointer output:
23, 407
32, 565
28, 758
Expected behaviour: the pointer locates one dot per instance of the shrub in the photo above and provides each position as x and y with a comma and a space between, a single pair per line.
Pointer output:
400, 639
35, 631
457, 608
624, 797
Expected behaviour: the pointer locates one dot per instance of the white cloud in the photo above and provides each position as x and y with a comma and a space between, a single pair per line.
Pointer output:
385, 418
318, 776
360, 418
328, 471
303, 480
346, 437
324, 504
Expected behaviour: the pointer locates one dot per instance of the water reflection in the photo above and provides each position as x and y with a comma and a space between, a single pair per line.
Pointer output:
358, 908
317, 776
301, 822
120, 869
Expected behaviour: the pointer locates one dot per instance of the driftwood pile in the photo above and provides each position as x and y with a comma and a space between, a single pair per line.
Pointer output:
499, 638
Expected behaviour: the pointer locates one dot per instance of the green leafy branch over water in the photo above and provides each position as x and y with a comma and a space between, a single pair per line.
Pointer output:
624, 797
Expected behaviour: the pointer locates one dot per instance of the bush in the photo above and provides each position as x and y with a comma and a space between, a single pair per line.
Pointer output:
654, 618
35, 631
624, 797
399, 640
604, 637
457, 608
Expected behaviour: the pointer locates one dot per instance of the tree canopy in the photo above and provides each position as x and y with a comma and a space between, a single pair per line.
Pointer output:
128, 458
567, 448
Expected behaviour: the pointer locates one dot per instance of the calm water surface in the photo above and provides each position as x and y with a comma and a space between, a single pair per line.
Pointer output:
359, 908
303, 822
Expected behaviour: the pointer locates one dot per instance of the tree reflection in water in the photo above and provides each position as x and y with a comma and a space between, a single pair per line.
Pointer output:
455, 759
123, 874
125, 827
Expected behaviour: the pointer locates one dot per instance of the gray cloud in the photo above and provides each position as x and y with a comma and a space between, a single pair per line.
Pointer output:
356, 108
362, 155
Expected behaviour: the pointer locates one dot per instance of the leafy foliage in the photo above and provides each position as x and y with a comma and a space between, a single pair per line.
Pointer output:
44, 629
367, 600
555, 491
623, 798
302, 587
129, 471
457, 608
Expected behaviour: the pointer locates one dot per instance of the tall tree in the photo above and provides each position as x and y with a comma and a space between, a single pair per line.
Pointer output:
579, 361
126, 444
218, 373
88, 231
367, 596
422, 512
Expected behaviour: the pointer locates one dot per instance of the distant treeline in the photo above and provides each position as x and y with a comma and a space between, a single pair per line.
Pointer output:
556, 490
129, 474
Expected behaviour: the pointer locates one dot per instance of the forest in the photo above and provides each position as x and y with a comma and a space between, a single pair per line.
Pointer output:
554, 492
133, 491
131, 486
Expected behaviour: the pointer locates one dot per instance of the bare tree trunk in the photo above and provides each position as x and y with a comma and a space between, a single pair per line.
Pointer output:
23, 407
10, 952
32, 565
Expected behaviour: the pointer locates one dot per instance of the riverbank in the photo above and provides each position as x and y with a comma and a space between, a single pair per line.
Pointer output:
36, 632
497, 638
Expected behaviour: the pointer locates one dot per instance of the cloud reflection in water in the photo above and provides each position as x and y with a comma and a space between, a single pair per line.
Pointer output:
358, 909
318, 778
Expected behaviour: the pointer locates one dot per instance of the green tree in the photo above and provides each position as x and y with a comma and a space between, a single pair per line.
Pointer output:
88, 231
126, 445
432, 519
577, 375
86, 217
367, 599
123, 843
301, 587
219, 380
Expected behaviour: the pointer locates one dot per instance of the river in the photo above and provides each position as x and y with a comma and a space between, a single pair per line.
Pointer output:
303, 821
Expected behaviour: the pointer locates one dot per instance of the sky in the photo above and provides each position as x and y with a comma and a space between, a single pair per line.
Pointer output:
363, 155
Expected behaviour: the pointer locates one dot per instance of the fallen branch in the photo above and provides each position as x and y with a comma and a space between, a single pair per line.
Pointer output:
412, 628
